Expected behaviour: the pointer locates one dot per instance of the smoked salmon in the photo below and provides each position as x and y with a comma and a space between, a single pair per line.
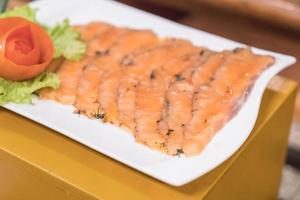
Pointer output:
130, 43
91, 75
69, 72
172, 95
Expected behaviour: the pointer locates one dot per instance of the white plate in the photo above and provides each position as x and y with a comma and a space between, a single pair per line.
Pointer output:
115, 142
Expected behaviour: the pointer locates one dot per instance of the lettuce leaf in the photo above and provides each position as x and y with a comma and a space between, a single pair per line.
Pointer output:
22, 91
65, 38
66, 41
24, 11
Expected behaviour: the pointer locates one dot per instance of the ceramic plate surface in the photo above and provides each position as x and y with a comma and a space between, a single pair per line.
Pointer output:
117, 143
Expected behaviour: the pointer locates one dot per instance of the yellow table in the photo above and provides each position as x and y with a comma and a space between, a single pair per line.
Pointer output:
38, 163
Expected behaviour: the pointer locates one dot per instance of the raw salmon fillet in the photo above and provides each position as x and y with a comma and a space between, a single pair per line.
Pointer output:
172, 95
212, 102
88, 32
91, 75
69, 72
130, 43
178, 109
138, 68
151, 92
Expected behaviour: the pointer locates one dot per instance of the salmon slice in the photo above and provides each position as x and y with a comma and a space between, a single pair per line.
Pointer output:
136, 67
89, 31
68, 75
107, 95
205, 101
240, 91
131, 42
180, 95
87, 93
107, 38
151, 89
213, 103
178, 78
130, 74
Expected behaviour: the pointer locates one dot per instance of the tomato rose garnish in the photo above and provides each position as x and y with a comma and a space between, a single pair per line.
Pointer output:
25, 49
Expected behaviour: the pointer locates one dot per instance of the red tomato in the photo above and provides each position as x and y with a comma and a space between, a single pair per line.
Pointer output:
25, 49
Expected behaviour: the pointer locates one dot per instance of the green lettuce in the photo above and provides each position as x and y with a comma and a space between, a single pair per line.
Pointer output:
65, 38
24, 11
22, 91
66, 41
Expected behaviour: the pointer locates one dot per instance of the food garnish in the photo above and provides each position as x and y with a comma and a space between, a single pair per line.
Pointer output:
21, 91
66, 41
26, 49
